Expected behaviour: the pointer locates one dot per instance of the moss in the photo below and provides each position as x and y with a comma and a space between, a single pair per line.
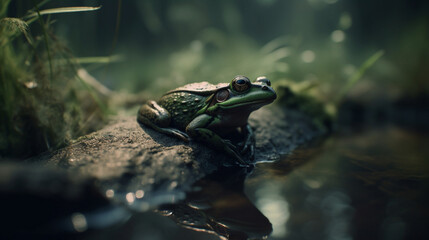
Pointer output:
304, 103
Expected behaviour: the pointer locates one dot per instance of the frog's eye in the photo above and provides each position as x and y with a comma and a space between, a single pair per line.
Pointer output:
222, 95
264, 79
241, 83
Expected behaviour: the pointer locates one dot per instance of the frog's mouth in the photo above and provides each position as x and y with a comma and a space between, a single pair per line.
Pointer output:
255, 104
257, 97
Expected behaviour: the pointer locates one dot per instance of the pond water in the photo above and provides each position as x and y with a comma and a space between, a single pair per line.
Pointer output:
363, 184
368, 184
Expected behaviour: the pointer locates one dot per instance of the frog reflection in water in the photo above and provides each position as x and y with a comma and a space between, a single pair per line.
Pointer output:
207, 113
217, 204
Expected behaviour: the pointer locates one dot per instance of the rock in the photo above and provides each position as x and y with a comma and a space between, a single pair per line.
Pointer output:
138, 167
126, 157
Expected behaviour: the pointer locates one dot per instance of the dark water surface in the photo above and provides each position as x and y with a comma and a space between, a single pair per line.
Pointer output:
361, 184
368, 184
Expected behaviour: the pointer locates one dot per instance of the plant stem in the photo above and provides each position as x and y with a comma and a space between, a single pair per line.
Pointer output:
358, 75
45, 40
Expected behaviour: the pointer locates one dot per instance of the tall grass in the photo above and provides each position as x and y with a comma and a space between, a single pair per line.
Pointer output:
42, 104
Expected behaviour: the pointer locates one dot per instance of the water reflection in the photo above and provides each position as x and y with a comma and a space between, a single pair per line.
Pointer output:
218, 205
369, 184
275, 207
79, 222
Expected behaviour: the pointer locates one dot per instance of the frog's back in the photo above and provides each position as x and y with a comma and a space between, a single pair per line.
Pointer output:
201, 88
182, 107
184, 102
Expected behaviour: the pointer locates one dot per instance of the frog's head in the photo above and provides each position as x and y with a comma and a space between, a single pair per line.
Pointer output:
242, 94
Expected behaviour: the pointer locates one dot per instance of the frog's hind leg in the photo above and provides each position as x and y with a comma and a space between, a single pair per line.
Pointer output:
198, 129
156, 117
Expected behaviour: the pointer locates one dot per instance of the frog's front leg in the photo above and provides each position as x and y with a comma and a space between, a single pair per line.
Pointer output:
198, 129
158, 118
249, 142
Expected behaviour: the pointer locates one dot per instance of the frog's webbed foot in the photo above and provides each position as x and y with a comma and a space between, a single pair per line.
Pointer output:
177, 133
169, 131
249, 148
232, 150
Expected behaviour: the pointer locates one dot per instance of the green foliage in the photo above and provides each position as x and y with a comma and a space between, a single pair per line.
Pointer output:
42, 105
358, 75
10, 28
305, 103
3, 7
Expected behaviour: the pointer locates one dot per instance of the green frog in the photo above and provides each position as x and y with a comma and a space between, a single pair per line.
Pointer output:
207, 113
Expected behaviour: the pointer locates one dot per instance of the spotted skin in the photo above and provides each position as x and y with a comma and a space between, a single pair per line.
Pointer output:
182, 106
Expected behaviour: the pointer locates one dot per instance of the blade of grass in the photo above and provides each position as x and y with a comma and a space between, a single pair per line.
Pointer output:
90, 80
3, 7
358, 75
45, 40
109, 59
42, 3
61, 10
118, 23
274, 44
115, 37
93, 94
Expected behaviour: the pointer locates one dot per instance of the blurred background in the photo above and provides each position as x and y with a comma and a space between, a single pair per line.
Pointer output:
365, 60
164, 44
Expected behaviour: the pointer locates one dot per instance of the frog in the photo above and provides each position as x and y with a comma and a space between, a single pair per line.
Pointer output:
207, 113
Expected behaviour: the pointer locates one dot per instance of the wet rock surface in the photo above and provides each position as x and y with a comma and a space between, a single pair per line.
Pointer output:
126, 164
126, 156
